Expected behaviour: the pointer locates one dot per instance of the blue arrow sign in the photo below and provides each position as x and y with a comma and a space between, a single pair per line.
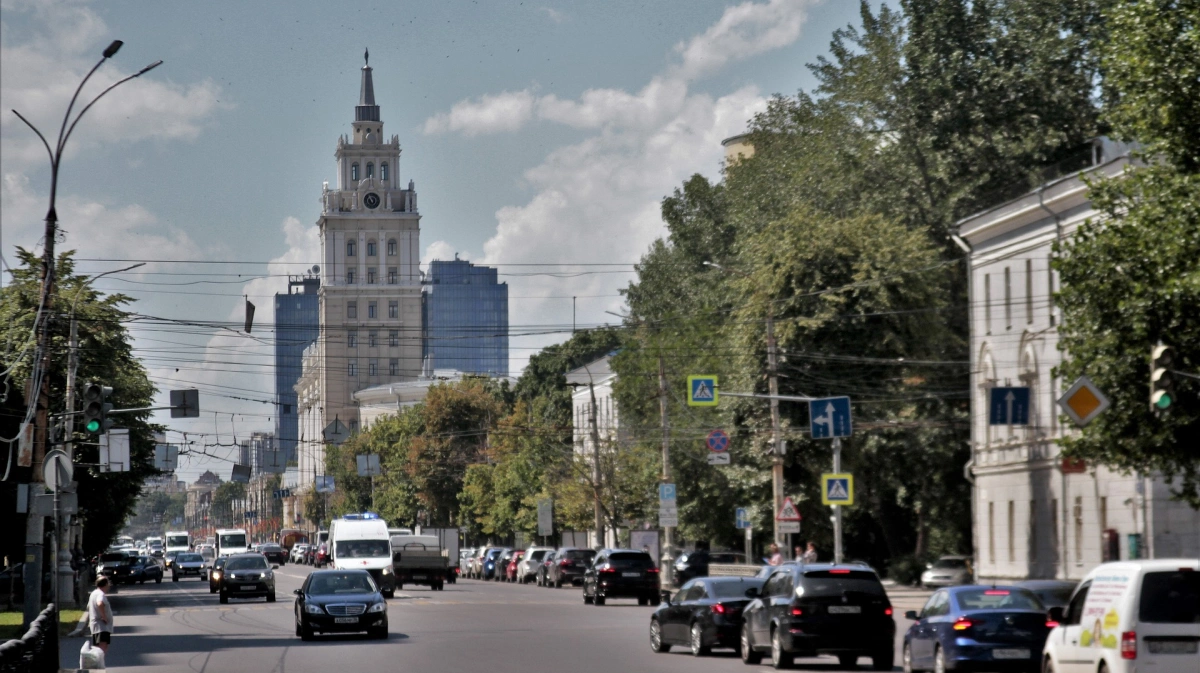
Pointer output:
830, 417
1008, 406
742, 517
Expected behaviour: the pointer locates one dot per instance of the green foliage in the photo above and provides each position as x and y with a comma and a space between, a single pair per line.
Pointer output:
225, 512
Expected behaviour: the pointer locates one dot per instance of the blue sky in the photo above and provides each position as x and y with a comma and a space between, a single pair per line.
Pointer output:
536, 132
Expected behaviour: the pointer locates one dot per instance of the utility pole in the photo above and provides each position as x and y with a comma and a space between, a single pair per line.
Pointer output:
837, 509
668, 559
776, 430
596, 465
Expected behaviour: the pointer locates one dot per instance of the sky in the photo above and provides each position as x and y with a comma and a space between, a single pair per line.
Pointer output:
541, 136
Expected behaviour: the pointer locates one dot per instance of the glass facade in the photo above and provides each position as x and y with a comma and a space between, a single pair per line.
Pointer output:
466, 318
297, 324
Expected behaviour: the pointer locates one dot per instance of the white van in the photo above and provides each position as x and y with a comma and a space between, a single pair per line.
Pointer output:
232, 541
1129, 617
359, 543
179, 540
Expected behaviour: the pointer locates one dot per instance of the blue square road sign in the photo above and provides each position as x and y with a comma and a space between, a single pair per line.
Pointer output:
829, 417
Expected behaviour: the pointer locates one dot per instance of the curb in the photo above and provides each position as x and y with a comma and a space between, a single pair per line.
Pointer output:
81, 628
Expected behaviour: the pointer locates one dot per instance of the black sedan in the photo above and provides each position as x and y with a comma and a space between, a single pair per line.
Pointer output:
115, 565
275, 553
144, 569
340, 601
621, 573
704, 613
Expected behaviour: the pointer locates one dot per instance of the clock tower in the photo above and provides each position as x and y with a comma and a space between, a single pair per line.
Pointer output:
370, 296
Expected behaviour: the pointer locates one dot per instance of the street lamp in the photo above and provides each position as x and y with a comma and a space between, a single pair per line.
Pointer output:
40, 395
776, 431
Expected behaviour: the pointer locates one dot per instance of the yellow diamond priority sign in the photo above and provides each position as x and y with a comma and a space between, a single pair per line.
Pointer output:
1083, 401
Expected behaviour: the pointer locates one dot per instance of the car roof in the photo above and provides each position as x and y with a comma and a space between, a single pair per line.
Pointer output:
338, 571
730, 579
246, 554
1046, 584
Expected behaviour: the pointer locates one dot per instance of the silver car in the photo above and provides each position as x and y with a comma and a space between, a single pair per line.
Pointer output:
528, 566
949, 571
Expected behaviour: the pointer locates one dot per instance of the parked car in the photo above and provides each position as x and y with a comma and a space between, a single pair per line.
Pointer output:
340, 601
528, 567
274, 553
695, 563
502, 560
621, 573
569, 565
820, 608
510, 573
298, 552
543, 571
321, 557
464, 561
487, 564
215, 573
1052, 593
965, 627
144, 568
187, 564
1128, 616
247, 575
478, 560
948, 571
704, 613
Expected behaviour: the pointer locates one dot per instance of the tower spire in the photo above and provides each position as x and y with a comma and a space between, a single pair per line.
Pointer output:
366, 110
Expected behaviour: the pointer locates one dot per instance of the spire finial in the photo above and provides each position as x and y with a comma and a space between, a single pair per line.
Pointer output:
366, 57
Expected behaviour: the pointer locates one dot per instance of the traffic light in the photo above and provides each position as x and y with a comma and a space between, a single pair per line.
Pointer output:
1162, 385
96, 408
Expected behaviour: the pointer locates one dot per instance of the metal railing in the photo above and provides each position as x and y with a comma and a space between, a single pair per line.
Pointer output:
37, 650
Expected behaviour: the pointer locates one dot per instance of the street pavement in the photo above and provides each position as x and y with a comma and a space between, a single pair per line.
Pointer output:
471, 625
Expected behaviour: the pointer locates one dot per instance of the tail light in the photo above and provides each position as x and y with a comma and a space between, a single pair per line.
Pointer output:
964, 623
606, 569
719, 609
564, 562
1050, 623
796, 612
888, 611
1129, 645
652, 570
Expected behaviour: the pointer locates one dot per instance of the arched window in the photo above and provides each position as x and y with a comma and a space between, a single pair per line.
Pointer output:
371, 251
383, 171
353, 171
391, 247
351, 248
370, 170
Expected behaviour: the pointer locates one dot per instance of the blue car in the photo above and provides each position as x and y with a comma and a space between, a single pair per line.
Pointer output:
977, 628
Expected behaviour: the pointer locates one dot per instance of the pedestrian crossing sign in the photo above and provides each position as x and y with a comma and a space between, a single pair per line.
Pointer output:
702, 391
837, 489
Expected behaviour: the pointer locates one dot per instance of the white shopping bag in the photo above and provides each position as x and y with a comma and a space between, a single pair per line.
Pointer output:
90, 657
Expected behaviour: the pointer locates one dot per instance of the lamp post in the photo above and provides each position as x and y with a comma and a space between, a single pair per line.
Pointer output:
39, 390
776, 431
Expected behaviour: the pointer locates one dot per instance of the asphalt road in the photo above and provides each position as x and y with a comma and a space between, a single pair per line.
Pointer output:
471, 625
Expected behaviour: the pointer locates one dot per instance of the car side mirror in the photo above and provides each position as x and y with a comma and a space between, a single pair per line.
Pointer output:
912, 614
666, 597
297, 592
752, 592
274, 567
1056, 614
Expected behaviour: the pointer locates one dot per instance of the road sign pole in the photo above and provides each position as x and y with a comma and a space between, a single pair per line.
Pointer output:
668, 558
837, 509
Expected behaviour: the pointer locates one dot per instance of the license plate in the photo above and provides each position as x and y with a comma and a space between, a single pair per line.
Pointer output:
1171, 647
845, 609
249, 588
1010, 654
418, 577
345, 620
631, 574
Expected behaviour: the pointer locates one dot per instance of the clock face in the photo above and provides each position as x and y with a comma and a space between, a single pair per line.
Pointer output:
371, 200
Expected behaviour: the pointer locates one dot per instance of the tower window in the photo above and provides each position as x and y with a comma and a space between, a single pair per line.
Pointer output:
372, 337
394, 338
392, 247
352, 368
354, 171
371, 311
392, 276
383, 171
371, 276
393, 367
370, 170
350, 277
393, 309
372, 367
351, 248
351, 309
371, 249
352, 338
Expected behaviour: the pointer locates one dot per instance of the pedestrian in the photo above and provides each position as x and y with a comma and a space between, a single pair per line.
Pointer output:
776, 557
810, 556
799, 554
100, 616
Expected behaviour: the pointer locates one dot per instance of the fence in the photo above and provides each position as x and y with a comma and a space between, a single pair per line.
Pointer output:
37, 650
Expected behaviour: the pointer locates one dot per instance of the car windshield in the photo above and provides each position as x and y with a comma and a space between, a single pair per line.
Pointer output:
177, 541
341, 583
219, 563
188, 558
631, 560
733, 588
233, 541
1171, 597
117, 557
362, 548
247, 563
537, 555
825, 583
950, 563
998, 599
142, 560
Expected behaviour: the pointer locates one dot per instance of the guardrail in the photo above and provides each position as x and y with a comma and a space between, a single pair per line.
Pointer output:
37, 650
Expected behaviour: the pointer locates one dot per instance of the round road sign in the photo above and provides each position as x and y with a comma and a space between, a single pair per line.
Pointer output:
57, 470
718, 441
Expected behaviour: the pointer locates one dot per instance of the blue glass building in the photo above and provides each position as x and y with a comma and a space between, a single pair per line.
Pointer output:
466, 318
297, 324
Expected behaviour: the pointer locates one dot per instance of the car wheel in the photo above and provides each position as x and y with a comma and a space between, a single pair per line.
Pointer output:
598, 600
848, 660
389, 594
779, 658
587, 600
306, 632
224, 598
656, 640
271, 596
906, 659
399, 586
642, 600
1047, 666
174, 578
697, 642
750, 656
883, 660
939, 660
299, 631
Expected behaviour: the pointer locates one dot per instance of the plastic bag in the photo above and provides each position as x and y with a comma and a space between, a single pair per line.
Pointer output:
90, 657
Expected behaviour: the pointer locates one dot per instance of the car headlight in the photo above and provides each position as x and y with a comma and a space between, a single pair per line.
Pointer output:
378, 607
313, 609
387, 570
216, 574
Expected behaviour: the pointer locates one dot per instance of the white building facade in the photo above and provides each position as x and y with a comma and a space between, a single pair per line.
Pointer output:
595, 378
1035, 514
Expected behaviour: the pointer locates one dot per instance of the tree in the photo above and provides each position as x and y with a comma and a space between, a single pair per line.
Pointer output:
1131, 277
106, 500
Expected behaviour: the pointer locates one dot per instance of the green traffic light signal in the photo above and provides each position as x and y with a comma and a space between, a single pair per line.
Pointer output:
93, 425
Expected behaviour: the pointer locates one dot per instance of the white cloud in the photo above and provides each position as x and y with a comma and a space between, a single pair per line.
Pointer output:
506, 111
554, 15
443, 251
743, 31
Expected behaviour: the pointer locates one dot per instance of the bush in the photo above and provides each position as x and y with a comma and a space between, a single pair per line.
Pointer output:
906, 569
